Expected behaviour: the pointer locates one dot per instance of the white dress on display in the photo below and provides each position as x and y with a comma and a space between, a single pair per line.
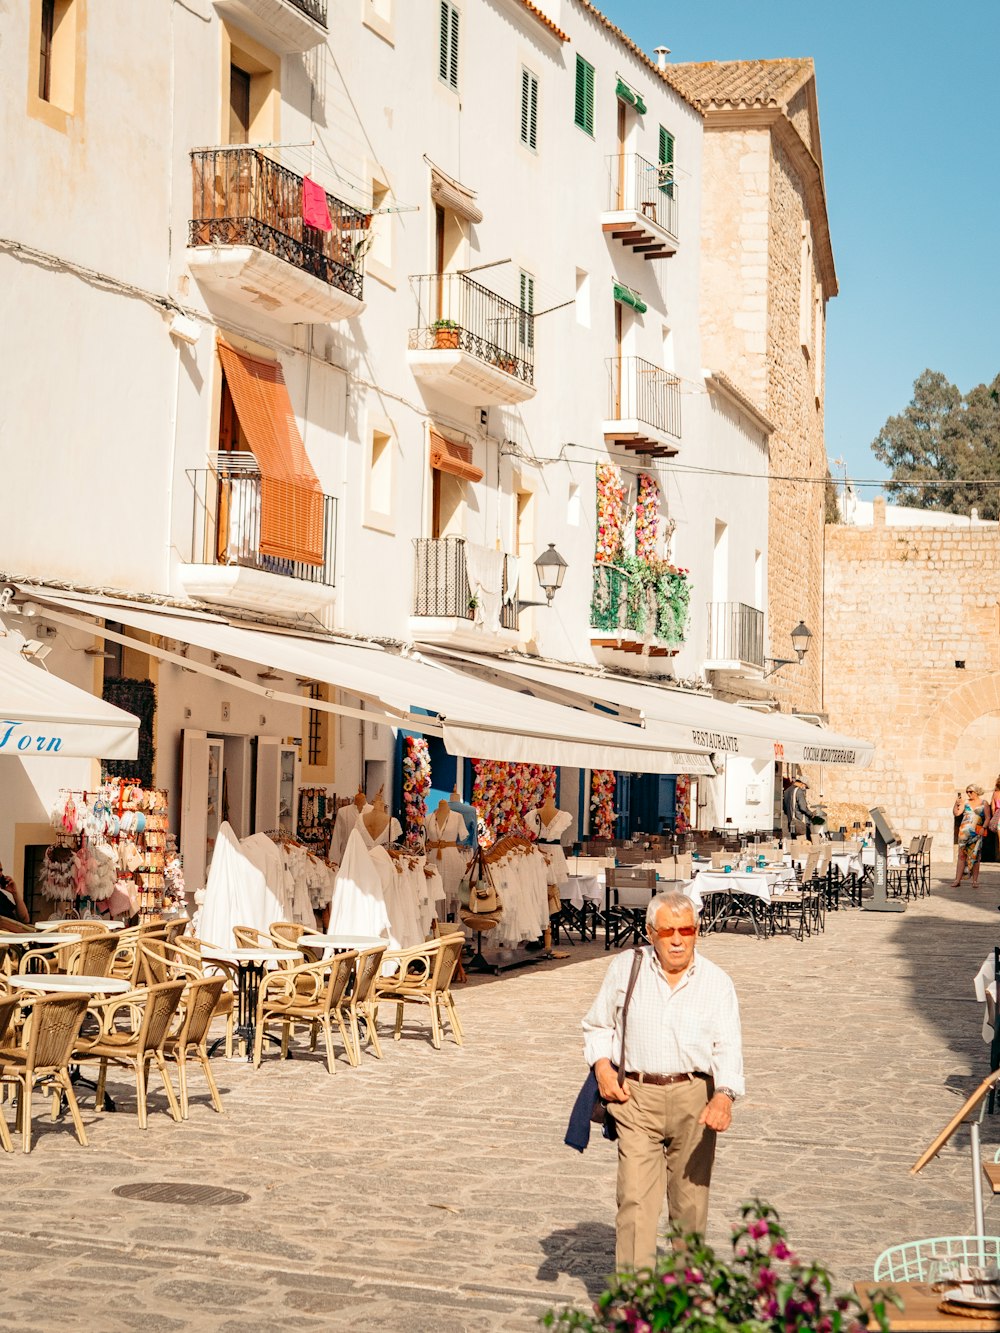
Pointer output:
392, 832
400, 901
448, 858
348, 819
236, 894
547, 837
359, 906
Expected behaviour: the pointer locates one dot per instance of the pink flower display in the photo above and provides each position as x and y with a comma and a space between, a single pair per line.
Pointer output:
610, 512
602, 803
504, 793
647, 517
416, 785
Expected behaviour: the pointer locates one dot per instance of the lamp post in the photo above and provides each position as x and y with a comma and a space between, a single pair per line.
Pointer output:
550, 568
801, 637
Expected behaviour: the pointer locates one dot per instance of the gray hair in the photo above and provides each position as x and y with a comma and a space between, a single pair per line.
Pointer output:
674, 901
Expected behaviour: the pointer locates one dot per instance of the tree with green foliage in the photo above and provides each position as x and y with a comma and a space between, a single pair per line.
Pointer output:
945, 436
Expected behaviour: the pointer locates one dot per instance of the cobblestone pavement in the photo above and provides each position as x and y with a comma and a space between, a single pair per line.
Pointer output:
432, 1191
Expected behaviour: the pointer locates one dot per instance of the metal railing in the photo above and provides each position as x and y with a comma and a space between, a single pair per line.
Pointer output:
453, 312
735, 633
642, 391
226, 526
637, 186
242, 197
314, 9
441, 582
644, 602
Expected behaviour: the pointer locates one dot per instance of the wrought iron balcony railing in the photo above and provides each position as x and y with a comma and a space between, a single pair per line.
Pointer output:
642, 391
637, 186
735, 633
242, 197
226, 526
314, 9
455, 313
649, 600
441, 583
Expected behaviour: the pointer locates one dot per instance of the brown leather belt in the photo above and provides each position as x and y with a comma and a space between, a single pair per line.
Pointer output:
663, 1080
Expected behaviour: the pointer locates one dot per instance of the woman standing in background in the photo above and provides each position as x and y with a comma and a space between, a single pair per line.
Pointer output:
975, 815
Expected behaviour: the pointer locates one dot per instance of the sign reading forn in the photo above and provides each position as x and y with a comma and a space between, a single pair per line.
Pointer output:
15, 739
715, 740
822, 754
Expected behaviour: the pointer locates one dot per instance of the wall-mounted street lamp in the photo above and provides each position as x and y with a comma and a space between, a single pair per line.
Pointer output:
801, 639
551, 570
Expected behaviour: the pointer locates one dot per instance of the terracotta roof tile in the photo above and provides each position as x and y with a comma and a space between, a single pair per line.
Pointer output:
715, 83
545, 20
637, 50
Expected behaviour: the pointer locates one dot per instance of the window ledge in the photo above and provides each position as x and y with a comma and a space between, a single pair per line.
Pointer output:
381, 272
384, 523
381, 27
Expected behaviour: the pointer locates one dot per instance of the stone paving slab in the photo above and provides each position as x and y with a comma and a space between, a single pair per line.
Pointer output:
432, 1191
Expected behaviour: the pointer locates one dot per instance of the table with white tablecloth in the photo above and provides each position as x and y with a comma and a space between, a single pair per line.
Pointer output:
747, 894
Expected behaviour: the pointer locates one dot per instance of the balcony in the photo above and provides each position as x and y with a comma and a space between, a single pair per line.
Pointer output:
248, 241
471, 343
644, 407
642, 206
735, 639
226, 564
641, 608
285, 26
445, 610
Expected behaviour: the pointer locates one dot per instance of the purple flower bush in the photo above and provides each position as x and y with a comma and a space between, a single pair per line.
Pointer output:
763, 1288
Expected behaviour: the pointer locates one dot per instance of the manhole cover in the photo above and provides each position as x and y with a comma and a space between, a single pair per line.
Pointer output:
169, 1191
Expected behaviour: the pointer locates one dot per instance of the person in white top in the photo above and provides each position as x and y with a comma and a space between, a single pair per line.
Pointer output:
683, 1065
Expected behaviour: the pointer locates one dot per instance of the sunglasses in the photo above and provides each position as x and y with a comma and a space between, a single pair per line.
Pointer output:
666, 932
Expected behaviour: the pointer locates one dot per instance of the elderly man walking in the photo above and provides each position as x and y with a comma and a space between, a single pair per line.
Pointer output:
683, 1066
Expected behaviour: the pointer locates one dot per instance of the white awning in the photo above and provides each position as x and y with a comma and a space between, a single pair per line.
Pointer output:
474, 718
43, 715
719, 727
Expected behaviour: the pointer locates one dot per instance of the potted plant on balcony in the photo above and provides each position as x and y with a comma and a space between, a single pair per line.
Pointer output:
446, 333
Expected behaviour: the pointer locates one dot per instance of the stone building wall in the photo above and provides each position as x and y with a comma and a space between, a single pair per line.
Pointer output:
797, 446
904, 607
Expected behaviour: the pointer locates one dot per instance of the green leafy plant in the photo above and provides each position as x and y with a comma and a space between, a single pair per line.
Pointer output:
445, 324
650, 597
764, 1288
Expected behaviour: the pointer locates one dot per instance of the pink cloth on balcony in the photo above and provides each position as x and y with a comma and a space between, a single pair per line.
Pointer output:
315, 212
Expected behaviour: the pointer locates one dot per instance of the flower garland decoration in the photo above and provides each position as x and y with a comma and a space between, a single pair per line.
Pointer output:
602, 803
647, 517
416, 785
682, 804
503, 794
610, 512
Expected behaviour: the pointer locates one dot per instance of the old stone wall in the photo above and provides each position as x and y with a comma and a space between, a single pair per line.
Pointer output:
795, 405
912, 663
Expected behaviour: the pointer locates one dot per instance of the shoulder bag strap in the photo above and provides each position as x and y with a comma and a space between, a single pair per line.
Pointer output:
633, 978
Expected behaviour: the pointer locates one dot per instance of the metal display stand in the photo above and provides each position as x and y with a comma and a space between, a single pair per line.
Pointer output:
974, 1102
884, 835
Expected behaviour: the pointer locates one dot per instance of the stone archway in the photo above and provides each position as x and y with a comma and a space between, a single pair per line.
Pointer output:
958, 745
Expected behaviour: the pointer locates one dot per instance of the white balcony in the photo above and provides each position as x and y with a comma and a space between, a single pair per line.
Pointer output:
445, 610
735, 640
642, 206
285, 26
644, 407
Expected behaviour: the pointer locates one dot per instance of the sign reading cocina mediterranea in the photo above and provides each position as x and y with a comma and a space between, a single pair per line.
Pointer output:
15, 739
823, 754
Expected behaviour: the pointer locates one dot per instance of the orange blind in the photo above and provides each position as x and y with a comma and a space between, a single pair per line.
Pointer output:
447, 456
291, 504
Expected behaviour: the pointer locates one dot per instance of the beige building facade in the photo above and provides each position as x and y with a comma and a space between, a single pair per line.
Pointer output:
913, 663
767, 274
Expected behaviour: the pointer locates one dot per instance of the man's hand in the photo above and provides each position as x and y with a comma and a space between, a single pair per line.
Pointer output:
607, 1082
718, 1114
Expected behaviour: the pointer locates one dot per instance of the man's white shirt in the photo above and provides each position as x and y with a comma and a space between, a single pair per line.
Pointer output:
693, 1027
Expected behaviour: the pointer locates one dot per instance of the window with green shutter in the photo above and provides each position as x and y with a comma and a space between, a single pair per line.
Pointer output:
583, 110
667, 161
529, 109
526, 327
448, 44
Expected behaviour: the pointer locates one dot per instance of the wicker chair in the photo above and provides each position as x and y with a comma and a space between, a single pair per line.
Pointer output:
186, 950
249, 937
9, 1006
45, 1053
152, 1010
288, 935
191, 1038
284, 996
362, 1002
424, 976
92, 957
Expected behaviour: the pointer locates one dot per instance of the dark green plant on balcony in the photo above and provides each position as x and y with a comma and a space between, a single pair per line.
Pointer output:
649, 597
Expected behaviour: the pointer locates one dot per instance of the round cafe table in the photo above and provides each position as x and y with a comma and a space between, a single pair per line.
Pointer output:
341, 943
19, 940
61, 983
250, 966
70, 922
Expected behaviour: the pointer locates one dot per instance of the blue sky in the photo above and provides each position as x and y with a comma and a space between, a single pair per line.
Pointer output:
911, 153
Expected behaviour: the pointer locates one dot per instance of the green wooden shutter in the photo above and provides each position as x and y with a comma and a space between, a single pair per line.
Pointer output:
666, 159
527, 330
529, 109
443, 41
583, 110
453, 62
448, 44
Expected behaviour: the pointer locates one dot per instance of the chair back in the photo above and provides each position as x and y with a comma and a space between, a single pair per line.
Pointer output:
722, 859
639, 877
341, 967
909, 1261
93, 956
201, 1000
249, 937
55, 1025
86, 928
156, 964
8, 1010
286, 934
824, 855
915, 846
367, 967
158, 1009
926, 849
448, 960
175, 928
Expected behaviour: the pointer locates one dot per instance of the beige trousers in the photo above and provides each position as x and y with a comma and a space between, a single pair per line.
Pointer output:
661, 1149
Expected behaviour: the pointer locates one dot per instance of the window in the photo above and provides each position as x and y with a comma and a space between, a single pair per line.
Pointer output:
379, 499
378, 16
55, 48
583, 298
448, 44
529, 109
45, 52
250, 91
666, 160
319, 725
806, 290
583, 110
818, 347
379, 258
239, 105
526, 327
